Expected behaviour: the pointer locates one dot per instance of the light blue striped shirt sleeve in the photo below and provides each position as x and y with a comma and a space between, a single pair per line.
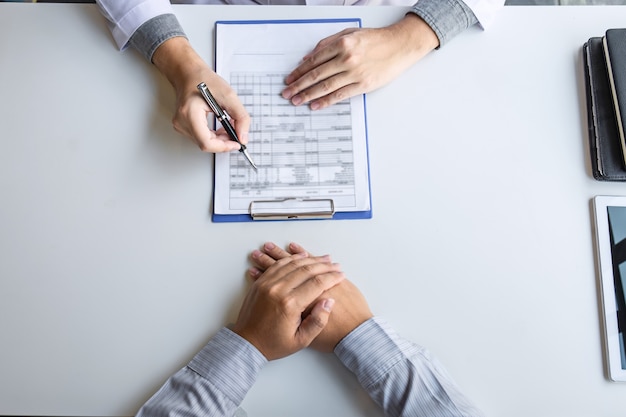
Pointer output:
400, 376
214, 383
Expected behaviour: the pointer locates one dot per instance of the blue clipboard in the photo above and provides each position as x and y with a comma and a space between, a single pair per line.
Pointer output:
293, 208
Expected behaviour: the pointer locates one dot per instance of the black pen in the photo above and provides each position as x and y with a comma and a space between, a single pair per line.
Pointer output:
224, 119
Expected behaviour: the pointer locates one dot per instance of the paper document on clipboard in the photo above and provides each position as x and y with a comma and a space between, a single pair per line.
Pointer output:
303, 156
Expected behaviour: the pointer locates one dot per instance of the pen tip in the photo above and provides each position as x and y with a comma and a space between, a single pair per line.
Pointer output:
245, 153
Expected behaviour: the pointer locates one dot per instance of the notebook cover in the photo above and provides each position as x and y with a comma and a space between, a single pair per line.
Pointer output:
606, 154
615, 55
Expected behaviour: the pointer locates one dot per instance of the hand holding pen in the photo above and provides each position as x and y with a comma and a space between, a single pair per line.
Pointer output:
224, 120
184, 69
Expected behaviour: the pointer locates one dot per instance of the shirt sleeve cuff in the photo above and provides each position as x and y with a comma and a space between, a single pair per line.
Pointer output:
447, 18
371, 350
149, 36
126, 25
230, 362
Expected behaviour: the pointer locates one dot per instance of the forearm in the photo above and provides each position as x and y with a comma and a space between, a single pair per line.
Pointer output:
180, 63
400, 376
214, 383
415, 35
429, 25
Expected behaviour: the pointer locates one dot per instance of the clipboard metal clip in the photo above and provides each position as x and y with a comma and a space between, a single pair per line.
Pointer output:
292, 209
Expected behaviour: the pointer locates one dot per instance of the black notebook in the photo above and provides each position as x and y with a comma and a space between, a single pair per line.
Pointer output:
614, 43
607, 157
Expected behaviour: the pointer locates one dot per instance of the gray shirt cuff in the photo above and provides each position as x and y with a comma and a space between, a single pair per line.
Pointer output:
154, 32
447, 18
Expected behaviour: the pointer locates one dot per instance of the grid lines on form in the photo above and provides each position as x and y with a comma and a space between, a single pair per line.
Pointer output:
300, 153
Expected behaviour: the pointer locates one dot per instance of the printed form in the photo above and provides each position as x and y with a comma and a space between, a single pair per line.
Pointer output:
299, 153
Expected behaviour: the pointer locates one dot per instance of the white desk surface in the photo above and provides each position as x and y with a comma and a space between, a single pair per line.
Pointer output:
481, 247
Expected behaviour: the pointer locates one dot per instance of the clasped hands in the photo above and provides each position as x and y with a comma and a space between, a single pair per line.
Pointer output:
297, 300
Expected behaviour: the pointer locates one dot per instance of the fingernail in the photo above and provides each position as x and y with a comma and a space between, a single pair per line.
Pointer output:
256, 253
315, 105
295, 247
244, 137
254, 272
269, 246
296, 100
286, 94
328, 304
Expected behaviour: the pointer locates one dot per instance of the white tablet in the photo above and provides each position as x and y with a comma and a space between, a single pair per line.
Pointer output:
610, 214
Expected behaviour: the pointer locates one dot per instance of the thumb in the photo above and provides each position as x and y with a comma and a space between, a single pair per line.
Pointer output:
315, 322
